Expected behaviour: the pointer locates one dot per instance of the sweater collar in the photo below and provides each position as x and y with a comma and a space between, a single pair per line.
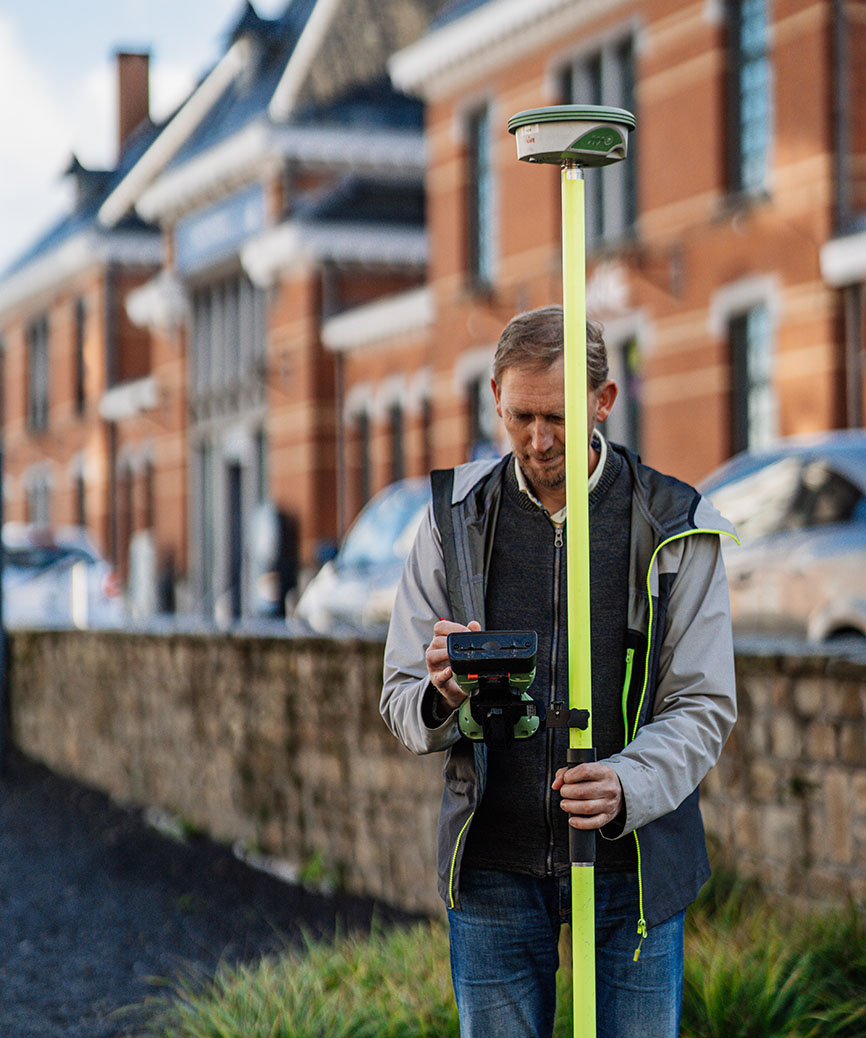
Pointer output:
600, 444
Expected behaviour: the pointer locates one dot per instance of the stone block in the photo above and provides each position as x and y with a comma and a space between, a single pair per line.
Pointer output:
821, 743
786, 737
838, 798
781, 833
763, 781
852, 744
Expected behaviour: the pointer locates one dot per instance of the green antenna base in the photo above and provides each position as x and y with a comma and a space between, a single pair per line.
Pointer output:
588, 135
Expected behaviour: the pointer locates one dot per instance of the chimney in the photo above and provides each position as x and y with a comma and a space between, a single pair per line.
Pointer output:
133, 94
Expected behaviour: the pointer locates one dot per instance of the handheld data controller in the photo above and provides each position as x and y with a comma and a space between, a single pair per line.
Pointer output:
495, 669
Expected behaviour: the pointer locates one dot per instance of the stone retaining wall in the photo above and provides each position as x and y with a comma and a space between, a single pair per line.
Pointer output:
277, 744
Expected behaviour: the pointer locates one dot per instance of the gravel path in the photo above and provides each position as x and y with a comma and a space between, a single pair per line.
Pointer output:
94, 904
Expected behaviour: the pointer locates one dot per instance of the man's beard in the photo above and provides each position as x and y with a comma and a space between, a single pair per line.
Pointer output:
543, 478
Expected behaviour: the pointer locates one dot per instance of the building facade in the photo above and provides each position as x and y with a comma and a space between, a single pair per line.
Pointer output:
289, 295
724, 257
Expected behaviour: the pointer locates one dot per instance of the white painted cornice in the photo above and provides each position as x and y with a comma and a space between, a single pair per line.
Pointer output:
383, 319
294, 246
83, 251
240, 160
162, 304
843, 260
129, 399
360, 150
297, 68
484, 40
172, 138
212, 174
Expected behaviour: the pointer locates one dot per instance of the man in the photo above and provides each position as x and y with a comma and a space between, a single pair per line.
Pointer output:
490, 555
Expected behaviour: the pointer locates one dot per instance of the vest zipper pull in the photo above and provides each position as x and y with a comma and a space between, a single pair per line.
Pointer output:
558, 540
641, 929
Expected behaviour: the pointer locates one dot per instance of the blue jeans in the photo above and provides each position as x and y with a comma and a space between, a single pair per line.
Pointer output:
504, 957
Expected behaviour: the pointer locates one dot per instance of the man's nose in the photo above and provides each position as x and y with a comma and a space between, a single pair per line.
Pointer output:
542, 435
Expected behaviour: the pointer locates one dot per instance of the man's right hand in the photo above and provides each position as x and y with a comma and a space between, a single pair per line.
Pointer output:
438, 664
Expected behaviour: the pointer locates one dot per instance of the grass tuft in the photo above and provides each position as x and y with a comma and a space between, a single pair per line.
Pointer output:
752, 971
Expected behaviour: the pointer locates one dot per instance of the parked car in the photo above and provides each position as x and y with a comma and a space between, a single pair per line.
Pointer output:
800, 511
354, 592
57, 578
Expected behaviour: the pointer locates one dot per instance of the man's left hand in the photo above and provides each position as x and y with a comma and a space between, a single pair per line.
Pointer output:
591, 794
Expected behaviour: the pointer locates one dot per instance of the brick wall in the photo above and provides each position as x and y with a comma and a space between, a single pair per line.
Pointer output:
278, 743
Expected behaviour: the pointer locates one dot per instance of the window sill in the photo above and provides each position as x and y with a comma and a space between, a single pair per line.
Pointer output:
741, 203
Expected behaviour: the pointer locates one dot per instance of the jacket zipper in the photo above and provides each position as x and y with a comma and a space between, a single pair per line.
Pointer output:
558, 545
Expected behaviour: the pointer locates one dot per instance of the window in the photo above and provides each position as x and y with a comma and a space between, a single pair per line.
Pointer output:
482, 418
228, 344
750, 104
79, 389
395, 424
624, 423
426, 434
80, 500
606, 77
364, 479
37, 375
38, 498
206, 525
149, 496
753, 402
480, 208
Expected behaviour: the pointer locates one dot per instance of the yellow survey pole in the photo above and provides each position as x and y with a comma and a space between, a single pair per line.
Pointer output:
574, 137
582, 844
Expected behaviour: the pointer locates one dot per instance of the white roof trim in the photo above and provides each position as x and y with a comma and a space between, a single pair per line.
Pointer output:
161, 304
843, 260
239, 159
312, 36
470, 47
214, 172
296, 245
129, 399
87, 249
383, 319
380, 150
174, 135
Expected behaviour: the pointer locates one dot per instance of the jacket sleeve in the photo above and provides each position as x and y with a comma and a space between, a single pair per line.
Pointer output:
421, 601
695, 699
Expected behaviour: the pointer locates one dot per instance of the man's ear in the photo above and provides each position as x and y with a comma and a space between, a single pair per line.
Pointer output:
495, 389
606, 398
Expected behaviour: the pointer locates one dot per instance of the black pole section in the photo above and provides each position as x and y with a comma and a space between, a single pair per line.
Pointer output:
4, 697
581, 842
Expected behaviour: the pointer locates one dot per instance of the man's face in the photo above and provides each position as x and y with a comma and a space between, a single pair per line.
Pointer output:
531, 403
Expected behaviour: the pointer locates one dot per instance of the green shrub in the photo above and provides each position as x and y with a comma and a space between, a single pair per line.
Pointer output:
752, 971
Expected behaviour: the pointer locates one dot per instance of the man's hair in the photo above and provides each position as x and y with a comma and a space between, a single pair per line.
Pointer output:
534, 339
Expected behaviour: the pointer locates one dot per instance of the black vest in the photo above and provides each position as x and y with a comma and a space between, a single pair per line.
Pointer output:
519, 825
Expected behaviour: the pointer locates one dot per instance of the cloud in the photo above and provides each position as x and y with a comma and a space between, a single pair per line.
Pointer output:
34, 145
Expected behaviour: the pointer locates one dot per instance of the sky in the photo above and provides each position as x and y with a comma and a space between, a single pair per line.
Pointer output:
58, 89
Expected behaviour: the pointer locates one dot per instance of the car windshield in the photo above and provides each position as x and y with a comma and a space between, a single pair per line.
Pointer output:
789, 494
385, 529
41, 556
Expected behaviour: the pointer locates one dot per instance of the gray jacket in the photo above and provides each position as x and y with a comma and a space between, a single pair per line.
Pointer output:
679, 693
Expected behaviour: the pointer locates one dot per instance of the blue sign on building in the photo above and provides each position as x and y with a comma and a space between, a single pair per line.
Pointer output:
211, 234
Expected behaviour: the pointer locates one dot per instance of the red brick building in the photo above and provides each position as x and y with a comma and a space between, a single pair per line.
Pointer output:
289, 295
705, 248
